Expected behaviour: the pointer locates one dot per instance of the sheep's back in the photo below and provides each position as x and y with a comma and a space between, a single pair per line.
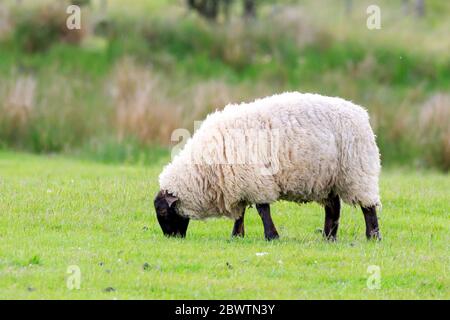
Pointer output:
314, 142
318, 144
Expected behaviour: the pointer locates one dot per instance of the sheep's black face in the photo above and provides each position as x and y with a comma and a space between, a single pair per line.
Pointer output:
171, 222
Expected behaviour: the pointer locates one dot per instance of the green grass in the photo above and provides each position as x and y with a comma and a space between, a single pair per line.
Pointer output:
57, 212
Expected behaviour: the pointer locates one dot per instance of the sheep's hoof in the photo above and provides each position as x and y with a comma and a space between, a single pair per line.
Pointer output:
272, 236
237, 235
374, 235
330, 238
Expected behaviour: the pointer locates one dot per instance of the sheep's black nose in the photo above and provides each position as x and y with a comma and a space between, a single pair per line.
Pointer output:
173, 225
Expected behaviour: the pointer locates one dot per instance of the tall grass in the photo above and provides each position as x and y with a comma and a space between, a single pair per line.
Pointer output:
18, 107
37, 28
142, 108
116, 92
435, 130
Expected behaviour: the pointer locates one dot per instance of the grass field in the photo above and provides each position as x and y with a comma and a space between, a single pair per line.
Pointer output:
57, 212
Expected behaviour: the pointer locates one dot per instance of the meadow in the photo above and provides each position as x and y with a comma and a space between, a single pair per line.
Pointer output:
86, 119
59, 212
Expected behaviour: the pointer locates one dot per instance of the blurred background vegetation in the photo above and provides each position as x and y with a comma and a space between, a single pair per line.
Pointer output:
116, 89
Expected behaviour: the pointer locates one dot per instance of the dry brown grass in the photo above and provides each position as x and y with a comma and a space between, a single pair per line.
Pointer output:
294, 19
46, 116
5, 21
435, 130
209, 96
150, 108
206, 97
141, 104
19, 102
38, 27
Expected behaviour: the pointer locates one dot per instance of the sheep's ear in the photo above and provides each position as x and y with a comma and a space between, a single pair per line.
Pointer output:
170, 199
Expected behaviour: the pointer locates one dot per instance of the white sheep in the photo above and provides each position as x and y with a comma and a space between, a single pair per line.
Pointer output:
292, 146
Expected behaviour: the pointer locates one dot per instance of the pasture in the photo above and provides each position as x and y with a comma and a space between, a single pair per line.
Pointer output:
87, 118
57, 212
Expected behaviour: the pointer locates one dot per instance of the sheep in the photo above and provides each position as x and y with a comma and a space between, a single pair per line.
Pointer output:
298, 147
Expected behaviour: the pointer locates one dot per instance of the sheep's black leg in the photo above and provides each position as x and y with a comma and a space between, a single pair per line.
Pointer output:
372, 229
238, 229
270, 232
332, 213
